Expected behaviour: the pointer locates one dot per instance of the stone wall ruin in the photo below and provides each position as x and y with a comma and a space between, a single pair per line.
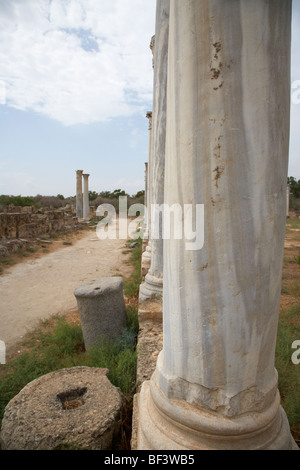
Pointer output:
28, 223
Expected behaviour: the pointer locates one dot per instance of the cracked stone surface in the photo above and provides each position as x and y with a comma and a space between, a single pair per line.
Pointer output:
77, 407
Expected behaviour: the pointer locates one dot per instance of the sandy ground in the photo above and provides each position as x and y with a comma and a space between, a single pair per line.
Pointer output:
44, 285
39, 287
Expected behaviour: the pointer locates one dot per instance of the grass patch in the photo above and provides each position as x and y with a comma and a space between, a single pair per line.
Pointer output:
22, 253
131, 286
289, 373
5, 261
32, 249
293, 223
57, 344
290, 287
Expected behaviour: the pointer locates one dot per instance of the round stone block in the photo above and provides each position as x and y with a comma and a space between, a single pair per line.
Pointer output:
101, 308
76, 408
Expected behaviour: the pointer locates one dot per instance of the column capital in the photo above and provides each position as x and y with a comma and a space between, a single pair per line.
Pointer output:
149, 116
152, 47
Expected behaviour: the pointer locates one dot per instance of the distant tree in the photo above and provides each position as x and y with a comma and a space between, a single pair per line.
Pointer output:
117, 193
60, 196
139, 194
294, 186
16, 200
4, 200
48, 201
93, 195
105, 194
113, 194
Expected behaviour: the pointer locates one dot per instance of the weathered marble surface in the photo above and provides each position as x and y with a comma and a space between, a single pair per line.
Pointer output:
227, 143
153, 281
227, 148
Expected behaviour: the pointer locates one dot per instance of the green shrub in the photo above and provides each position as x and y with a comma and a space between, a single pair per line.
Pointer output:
131, 287
62, 346
16, 200
288, 373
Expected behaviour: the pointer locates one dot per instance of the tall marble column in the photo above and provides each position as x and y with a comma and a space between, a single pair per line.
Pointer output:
215, 385
153, 285
146, 228
146, 256
79, 199
86, 204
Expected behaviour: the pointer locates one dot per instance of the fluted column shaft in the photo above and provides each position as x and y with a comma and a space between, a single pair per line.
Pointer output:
148, 176
227, 146
154, 279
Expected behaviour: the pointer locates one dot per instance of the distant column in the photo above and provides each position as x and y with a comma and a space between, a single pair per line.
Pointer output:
79, 201
288, 200
146, 256
149, 166
86, 196
146, 228
153, 285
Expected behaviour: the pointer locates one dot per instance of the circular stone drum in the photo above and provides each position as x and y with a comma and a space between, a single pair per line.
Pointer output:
76, 408
101, 309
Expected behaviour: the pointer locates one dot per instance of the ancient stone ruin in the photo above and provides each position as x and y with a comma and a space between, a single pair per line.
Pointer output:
75, 408
21, 225
221, 75
82, 198
218, 138
101, 308
30, 223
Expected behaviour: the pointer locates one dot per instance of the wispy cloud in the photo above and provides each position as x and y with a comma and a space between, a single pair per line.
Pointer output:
77, 61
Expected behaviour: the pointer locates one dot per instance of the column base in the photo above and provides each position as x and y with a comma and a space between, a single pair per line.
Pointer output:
151, 289
168, 424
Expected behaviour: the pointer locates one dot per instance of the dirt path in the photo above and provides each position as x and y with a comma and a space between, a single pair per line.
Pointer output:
40, 287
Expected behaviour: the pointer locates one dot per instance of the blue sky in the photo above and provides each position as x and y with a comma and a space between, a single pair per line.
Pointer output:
75, 86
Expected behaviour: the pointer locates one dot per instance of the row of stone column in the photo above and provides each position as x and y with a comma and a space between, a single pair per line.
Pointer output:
220, 138
152, 288
82, 198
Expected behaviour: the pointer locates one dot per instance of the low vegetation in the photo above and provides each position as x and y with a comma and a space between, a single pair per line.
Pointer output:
294, 185
58, 343
289, 327
95, 198
131, 286
288, 372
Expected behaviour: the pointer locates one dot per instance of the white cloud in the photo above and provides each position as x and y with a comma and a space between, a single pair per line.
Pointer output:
77, 61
